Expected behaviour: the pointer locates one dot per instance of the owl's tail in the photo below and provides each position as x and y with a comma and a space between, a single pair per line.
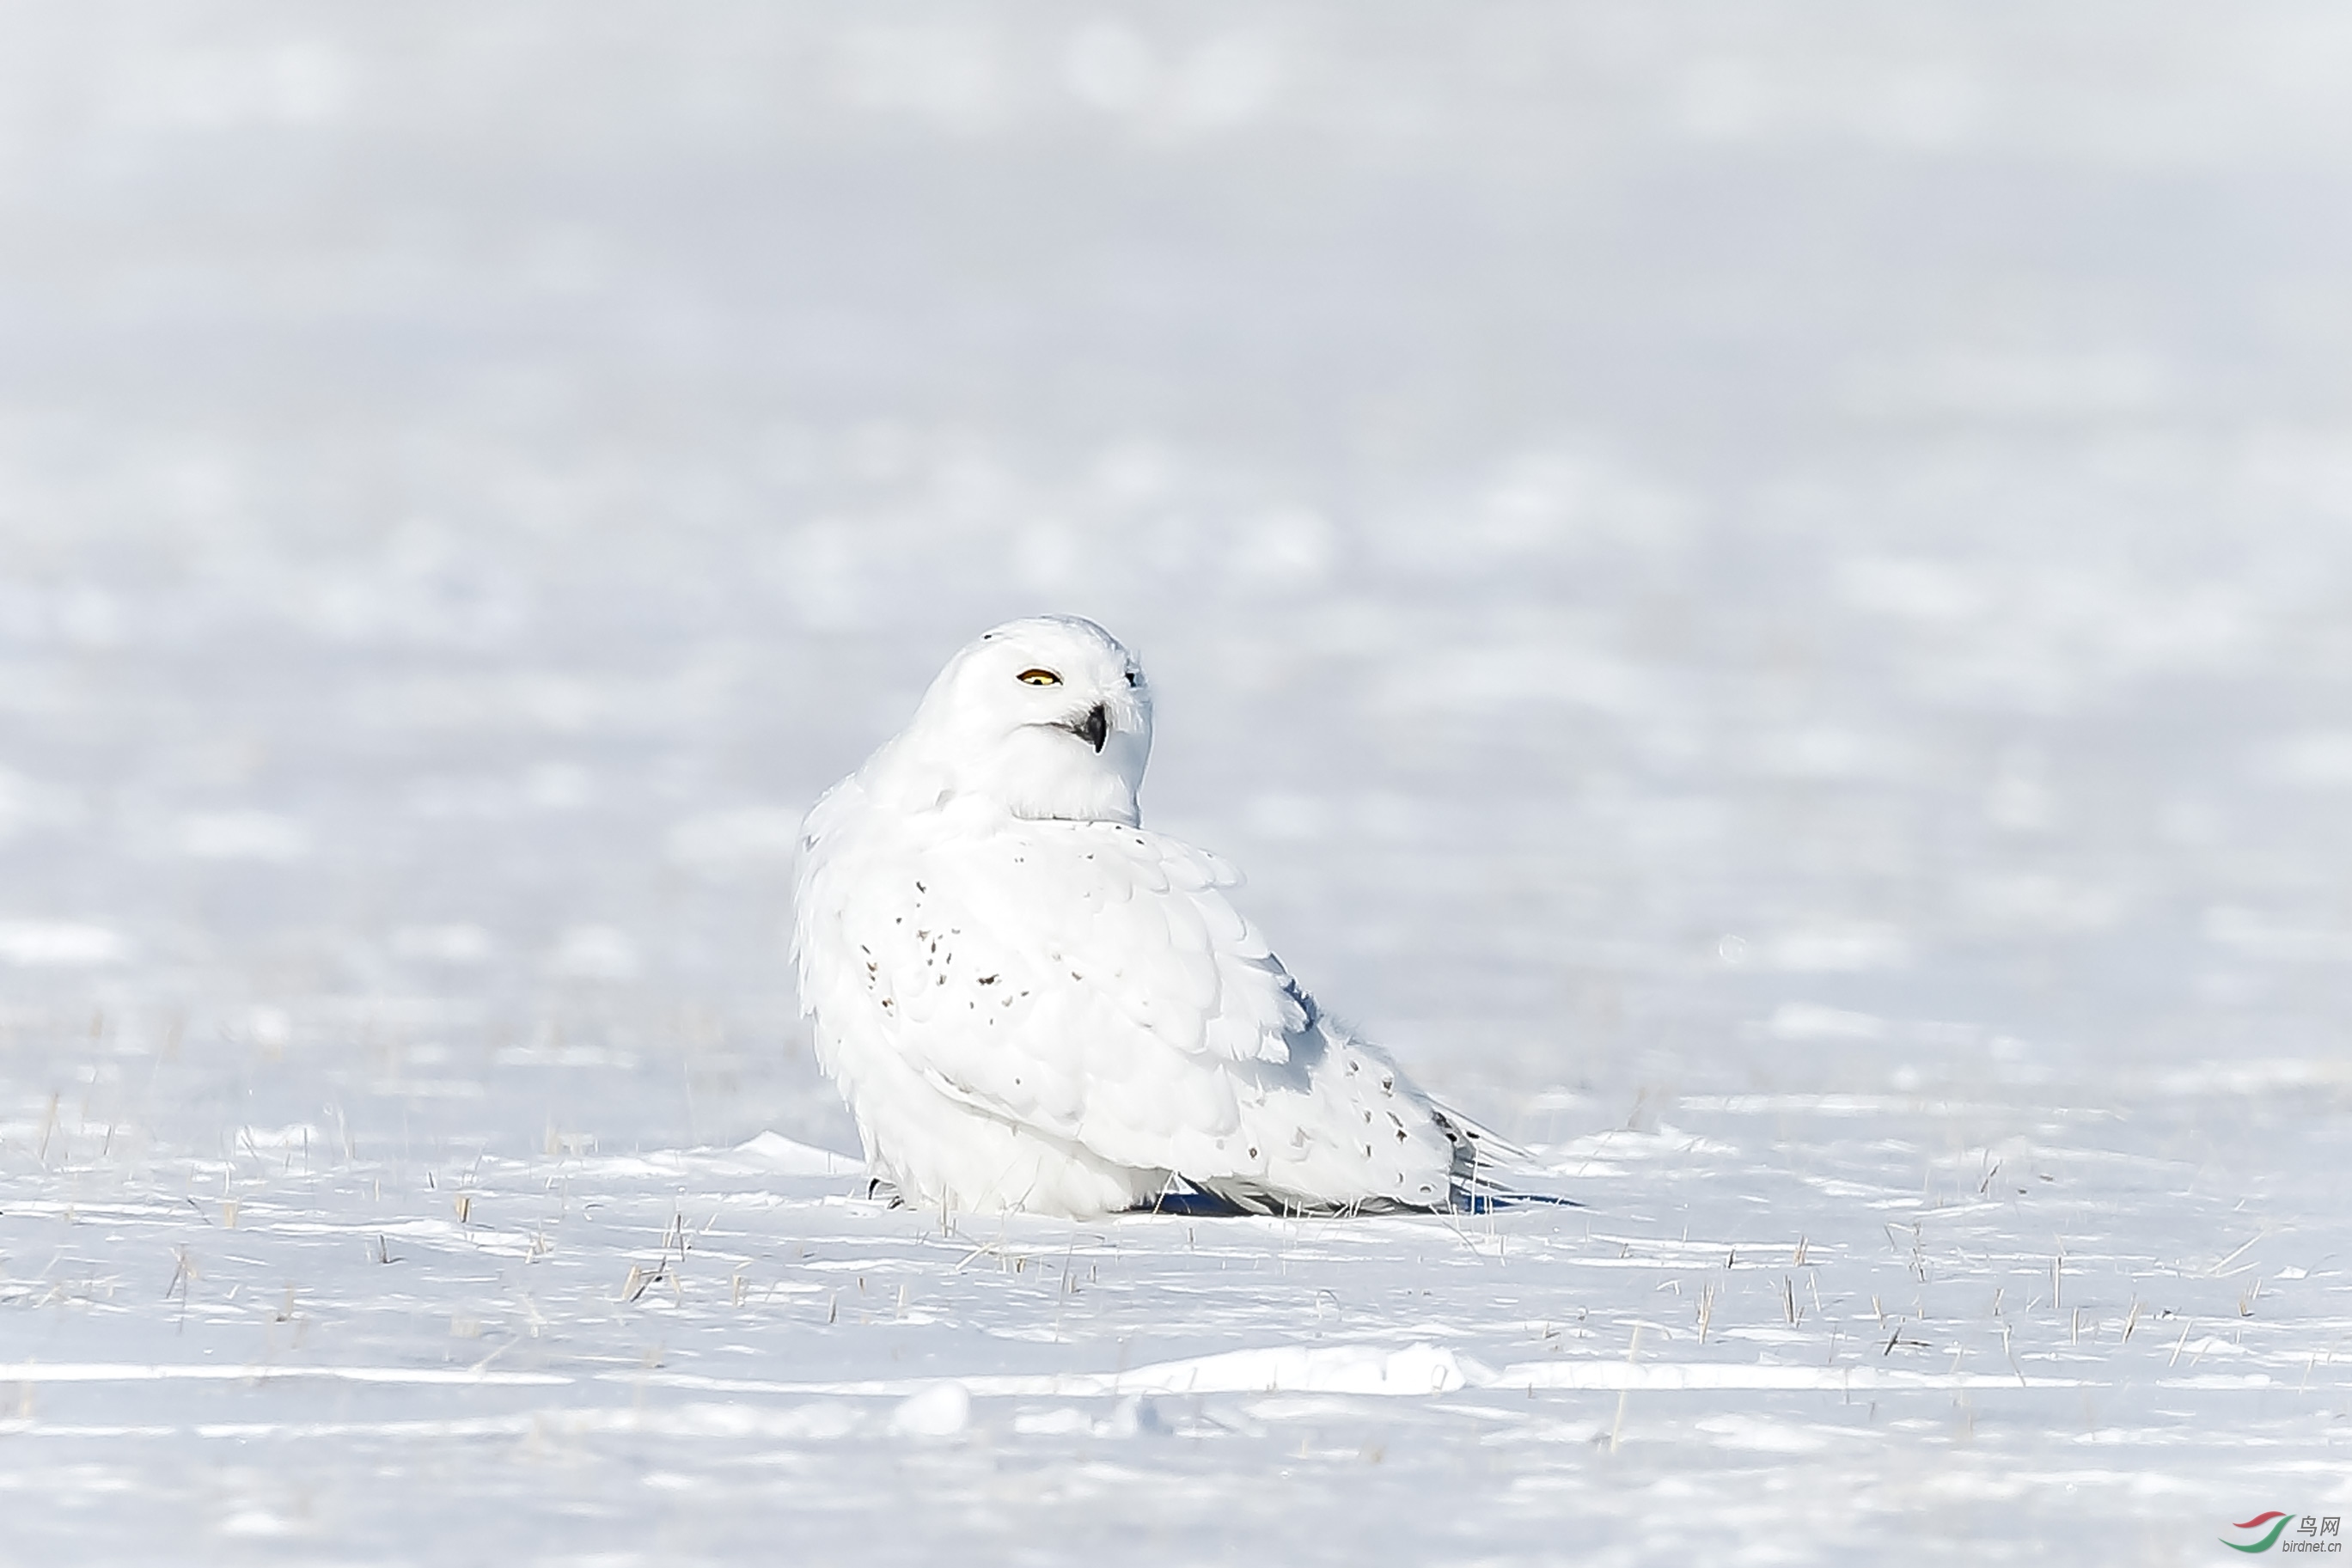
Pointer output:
1482, 1161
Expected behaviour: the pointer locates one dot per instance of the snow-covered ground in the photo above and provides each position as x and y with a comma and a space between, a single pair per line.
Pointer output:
1760, 591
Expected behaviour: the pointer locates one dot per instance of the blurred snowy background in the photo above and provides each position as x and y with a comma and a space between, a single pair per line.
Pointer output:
1792, 551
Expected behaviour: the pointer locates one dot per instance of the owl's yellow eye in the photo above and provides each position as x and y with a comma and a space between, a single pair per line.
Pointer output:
1041, 678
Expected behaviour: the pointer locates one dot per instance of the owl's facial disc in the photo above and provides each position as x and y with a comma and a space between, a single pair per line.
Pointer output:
1091, 725
1000, 721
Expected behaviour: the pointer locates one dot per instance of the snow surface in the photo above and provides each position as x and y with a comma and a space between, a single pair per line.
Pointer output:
1805, 545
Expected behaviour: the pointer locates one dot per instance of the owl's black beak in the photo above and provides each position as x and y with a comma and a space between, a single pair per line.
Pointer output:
1094, 728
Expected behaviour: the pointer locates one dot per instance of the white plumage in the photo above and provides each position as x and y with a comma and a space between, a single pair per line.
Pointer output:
1033, 1002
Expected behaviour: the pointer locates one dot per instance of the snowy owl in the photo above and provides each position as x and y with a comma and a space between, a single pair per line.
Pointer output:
1032, 1002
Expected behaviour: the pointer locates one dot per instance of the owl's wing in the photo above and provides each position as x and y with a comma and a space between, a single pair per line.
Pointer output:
1084, 979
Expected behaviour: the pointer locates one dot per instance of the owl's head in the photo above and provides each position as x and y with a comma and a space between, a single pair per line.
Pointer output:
1048, 718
